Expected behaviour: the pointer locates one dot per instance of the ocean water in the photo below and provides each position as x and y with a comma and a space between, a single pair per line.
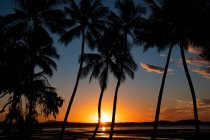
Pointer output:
137, 132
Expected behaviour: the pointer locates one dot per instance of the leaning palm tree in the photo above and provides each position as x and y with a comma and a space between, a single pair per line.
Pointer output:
85, 19
127, 67
100, 64
130, 17
174, 22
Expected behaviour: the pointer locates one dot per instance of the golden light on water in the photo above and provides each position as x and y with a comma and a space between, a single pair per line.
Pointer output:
103, 128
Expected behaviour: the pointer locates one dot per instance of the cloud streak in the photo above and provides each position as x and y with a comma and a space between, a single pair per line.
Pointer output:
201, 66
205, 72
153, 68
184, 109
197, 61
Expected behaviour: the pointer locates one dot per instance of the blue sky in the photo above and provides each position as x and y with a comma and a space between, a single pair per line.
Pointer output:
138, 97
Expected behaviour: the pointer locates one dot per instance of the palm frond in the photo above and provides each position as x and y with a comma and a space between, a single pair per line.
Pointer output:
129, 71
71, 34
96, 71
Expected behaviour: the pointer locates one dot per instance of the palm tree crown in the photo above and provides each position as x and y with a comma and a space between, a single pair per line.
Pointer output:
85, 19
174, 22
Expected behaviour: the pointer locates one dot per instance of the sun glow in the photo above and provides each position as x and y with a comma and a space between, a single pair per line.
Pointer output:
105, 118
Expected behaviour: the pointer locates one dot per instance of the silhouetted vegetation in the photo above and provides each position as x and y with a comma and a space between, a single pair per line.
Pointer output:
175, 23
26, 63
27, 54
85, 19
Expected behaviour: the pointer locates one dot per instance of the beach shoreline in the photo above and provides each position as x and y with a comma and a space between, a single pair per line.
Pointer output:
143, 134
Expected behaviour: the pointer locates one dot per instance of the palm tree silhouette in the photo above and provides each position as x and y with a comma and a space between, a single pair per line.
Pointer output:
130, 17
174, 22
101, 64
86, 19
28, 25
18, 81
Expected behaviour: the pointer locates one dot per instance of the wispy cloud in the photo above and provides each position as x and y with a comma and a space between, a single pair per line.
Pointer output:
201, 66
184, 109
197, 61
171, 59
204, 105
153, 68
205, 71
162, 55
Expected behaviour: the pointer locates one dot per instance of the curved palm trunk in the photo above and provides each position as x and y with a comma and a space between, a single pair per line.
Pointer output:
75, 87
114, 108
99, 113
154, 131
191, 89
99, 104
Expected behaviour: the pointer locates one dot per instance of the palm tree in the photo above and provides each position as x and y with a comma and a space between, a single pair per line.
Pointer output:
130, 17
174, 22
100, 65
86, 19
27, 27
33, 16
18, 81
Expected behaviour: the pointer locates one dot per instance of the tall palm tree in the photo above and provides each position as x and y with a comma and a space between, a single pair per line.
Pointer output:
28, 26
174, 22
127, 66
130, 17
17, 82
100, 65
86, 19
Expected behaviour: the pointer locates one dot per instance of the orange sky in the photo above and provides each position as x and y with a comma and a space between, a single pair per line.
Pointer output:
130, 108
136, 98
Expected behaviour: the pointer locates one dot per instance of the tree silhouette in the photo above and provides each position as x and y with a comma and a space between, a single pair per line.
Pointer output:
130, 17
174, 22
100, 64
34, 16
85, 19
27, 29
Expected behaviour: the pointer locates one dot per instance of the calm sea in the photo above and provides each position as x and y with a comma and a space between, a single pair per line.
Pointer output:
136, 131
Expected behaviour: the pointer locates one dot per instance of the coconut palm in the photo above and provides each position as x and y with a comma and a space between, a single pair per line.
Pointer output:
130, 17
174, 22
100, 64
26, 27
85, 19
15, 79
30, 20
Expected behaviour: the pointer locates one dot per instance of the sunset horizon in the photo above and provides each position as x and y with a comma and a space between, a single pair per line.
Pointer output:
104, 62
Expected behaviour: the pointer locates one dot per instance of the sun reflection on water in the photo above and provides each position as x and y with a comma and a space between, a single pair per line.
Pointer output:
103, 128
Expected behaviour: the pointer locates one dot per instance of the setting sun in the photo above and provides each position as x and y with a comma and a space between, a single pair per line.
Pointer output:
105, 118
